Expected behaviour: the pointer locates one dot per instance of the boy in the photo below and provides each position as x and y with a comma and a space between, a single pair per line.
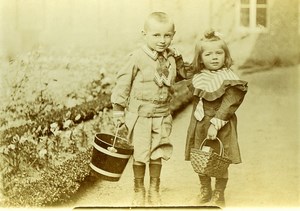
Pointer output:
144, 88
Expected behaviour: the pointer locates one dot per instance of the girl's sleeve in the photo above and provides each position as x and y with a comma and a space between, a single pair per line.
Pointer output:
121, 91
232, 99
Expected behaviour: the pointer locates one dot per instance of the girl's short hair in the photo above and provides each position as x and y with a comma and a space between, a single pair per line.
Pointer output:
209, 36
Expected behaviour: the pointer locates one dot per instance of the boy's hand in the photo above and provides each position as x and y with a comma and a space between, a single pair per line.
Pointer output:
118, 115
118, 118
174, 52
212, 132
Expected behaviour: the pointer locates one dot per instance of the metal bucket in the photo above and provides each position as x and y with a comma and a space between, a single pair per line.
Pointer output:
110, 156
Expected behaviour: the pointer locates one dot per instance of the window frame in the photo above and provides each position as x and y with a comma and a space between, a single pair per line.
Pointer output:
253, 5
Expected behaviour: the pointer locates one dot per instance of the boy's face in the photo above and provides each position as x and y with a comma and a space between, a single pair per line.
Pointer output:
158, 35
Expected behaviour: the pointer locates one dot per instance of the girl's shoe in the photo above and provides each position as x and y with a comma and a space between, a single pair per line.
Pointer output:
218, 198
205, 189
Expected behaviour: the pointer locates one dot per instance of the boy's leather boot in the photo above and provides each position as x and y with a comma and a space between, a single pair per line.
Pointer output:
205, 189
218, 198
153, 193
139, 187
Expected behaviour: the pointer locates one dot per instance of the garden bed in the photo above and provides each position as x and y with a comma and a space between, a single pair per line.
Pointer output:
48, 166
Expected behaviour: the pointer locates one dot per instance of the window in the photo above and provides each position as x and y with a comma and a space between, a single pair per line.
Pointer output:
299, 17
252, 15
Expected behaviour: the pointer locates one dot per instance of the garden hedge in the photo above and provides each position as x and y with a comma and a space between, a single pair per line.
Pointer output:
59, 183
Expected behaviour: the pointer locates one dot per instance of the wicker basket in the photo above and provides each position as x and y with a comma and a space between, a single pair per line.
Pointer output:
209, 163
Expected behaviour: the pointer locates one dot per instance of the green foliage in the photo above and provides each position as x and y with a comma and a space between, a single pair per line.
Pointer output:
55, 184
26, 101
56, 181
50, 162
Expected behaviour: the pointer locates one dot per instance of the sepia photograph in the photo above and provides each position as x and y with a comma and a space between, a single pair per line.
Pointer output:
149, 104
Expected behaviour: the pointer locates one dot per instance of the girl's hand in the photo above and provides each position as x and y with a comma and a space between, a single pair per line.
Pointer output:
212, 132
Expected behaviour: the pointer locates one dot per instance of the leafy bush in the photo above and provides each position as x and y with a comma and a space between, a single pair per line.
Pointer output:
57, 169
38, 83
55, 184
58, 182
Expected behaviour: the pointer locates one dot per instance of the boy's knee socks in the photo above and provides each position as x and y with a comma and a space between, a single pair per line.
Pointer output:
139, 171
154, 170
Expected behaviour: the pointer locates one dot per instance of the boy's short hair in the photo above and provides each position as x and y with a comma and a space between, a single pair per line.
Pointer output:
159, 17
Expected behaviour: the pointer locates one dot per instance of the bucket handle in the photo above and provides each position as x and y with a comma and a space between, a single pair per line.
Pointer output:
112, 148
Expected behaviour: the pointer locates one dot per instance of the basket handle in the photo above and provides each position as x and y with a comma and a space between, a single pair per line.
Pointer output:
220, 143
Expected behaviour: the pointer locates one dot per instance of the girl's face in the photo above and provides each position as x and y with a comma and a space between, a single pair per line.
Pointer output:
158, 35
213, 55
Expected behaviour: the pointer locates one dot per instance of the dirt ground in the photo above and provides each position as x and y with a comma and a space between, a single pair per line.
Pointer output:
268, 123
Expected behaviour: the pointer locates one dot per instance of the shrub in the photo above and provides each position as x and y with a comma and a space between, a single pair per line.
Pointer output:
55, 184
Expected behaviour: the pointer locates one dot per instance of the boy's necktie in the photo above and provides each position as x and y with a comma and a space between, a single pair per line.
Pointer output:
162, 71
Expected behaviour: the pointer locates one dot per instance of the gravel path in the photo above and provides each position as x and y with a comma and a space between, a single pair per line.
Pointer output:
269, 141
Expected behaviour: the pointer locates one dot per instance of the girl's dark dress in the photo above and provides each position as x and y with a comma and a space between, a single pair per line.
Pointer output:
220, 104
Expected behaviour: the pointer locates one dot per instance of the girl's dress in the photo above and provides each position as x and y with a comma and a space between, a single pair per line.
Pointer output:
217, 95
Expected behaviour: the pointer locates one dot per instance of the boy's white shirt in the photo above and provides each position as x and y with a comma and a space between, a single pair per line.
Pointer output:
161, 80
153, 54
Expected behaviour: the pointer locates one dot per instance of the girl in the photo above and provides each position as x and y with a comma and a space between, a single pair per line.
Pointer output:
218, 92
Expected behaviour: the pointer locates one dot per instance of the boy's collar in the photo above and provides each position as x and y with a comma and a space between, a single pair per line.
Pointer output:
153, 54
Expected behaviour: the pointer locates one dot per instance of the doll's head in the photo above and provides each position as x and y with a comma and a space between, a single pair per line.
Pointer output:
158, 31
211, 53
